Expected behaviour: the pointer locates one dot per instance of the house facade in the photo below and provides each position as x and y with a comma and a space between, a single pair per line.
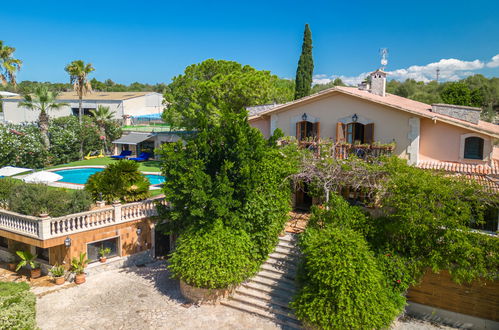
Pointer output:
123, 104
438, 136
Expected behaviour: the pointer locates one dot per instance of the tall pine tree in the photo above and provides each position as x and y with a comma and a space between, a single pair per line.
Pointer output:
305, 66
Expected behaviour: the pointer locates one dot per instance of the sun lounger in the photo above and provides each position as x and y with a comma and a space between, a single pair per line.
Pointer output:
142, 157
124, 154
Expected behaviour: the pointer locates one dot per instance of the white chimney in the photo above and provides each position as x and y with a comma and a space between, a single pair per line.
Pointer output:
378, 82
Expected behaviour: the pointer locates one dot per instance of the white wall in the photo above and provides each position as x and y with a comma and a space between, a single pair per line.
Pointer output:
142, 105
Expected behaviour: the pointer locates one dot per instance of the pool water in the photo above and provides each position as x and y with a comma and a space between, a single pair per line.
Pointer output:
81, 175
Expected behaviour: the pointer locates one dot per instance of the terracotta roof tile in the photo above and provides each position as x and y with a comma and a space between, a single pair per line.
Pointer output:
485, 175
464, 168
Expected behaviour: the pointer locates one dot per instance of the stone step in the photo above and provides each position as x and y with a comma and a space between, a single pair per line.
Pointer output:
269, 297
284, 293
287, 244
289, 238
288, 272
264, 305
274, 283
281, 277
284, 257
290, 251
265, 313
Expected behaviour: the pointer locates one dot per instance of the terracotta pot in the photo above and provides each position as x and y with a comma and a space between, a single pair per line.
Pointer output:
59, 280
35, 273
12, 267
102, 259
80, 278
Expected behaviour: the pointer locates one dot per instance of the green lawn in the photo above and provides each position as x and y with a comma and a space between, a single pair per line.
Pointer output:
149, 166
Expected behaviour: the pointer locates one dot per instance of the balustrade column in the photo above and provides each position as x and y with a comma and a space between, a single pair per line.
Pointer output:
44, 227
117, 211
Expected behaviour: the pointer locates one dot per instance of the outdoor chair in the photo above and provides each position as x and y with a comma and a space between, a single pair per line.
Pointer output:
142, 157
124, 154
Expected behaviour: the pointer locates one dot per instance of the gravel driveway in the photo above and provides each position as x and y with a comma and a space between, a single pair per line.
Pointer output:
144, 298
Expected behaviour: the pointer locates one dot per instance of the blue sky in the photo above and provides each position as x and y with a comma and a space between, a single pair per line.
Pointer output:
152, 41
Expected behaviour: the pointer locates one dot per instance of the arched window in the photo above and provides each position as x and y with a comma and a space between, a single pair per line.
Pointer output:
473, 147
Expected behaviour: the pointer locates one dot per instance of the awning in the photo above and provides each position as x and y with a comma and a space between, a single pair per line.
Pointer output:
133, 138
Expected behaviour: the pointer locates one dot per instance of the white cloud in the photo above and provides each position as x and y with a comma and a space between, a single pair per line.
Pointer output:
451, 69
494, 63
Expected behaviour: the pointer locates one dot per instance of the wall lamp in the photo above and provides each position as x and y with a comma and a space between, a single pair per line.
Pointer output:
67, 242
304, 117
139, 231
355, 118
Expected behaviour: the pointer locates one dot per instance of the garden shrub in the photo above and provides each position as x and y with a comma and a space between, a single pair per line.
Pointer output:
22, 144
7, 186
120, 180
230, 174
213, 258
341, 284
34, 199
17, 306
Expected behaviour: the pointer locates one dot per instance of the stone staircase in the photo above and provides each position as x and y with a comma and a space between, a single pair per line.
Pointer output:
268, 293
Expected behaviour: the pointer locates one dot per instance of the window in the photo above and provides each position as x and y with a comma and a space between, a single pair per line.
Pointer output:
307, 130
86, 111
3, 242
355, 133
42, 253
473, 148
93, 248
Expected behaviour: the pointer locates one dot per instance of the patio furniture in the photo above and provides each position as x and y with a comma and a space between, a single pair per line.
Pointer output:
142, 157
124, 154
95, 154
42, 177
11, 170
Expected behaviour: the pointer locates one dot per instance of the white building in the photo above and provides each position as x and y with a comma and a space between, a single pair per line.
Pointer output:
123, 104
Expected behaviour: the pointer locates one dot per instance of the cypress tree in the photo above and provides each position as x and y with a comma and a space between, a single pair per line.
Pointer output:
305, 66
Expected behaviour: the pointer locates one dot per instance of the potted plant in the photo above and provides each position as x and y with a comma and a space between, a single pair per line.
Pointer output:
58, 272
103, 252
28, 261
78, 265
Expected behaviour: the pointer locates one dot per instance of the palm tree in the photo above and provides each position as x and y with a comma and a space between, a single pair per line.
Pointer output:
8, 64
101, 116
42, 100
78, 76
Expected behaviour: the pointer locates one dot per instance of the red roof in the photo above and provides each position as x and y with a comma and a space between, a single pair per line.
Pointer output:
483, 174
492, 169
397, 102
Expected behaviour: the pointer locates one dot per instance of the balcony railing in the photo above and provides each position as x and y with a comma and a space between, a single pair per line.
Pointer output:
344, 150
46, 227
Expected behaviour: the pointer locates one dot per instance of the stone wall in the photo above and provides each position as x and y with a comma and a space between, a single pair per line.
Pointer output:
469, 114
204, 296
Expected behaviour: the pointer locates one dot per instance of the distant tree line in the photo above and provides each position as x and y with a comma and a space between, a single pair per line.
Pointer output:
108, 85
474, 91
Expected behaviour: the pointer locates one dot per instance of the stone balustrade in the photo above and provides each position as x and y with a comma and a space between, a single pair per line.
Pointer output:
47, 227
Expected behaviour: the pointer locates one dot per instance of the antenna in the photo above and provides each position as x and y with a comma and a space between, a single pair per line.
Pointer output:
384, 57
438, 73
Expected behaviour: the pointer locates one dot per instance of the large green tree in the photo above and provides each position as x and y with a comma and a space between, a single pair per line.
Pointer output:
78, 75
305, 68
42, 100
460, 94
8, 64
196, 98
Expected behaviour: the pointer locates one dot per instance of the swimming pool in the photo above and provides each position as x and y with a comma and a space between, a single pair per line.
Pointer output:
81, 175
